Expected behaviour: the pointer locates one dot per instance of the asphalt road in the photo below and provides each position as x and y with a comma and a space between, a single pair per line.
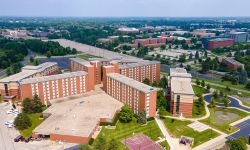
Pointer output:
233, 103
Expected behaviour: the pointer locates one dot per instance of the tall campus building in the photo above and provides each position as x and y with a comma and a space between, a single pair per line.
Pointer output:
181, 92
121, 79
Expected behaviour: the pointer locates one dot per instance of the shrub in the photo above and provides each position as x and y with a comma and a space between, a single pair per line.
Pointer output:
126, 114
22, 121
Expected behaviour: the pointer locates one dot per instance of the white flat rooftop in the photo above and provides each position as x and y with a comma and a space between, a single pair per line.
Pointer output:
78, 115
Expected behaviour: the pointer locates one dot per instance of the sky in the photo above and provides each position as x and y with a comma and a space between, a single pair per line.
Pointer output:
125, 8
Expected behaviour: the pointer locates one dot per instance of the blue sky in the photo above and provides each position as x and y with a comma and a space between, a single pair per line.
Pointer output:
119, 8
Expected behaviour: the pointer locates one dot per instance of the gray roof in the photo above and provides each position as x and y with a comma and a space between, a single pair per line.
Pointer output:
181, 86
231, 60
53, 77
28, 71
138, 64
132, 83
179, 72
81, 61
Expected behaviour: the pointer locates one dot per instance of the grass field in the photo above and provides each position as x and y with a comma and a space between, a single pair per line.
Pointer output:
35, 122
87, 56
223, 127
179, 128
198, 90
125, 130
165, 145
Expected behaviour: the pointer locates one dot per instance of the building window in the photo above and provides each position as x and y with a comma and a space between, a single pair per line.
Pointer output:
178, 104
6, 89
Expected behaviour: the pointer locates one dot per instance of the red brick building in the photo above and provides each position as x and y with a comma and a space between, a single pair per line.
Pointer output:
151, 42
136, 95
181, 92
219, 43
233, 64
56, 86
10, 86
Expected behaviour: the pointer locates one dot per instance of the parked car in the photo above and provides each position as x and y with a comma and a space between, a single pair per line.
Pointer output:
9, 111
9, 122
18, 138
27, 139
10, 125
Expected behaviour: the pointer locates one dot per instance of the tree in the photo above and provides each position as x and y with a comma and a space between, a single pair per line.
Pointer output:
226, 101
146, 81
188, 68
237, 144
197, 55
27, 106
248, 85
84, 147
142, 117
163, 47
163, 82
37, 105
198, 82
182, 58
100, 143
208, 87
8, 71
31, 59
113, 145
227, 88
22, 121
203, 84
212, 102
126, 114
215, 95
190, 56
161, 100
205, 54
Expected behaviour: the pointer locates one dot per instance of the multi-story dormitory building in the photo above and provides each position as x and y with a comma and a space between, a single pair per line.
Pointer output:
136, 70
135, 94
55, 86
122, 80
10, 86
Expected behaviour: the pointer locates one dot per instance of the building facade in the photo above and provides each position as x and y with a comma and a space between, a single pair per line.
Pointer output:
136, 95
239, 36
233, 64
10, 86
220, 43
55, 86
181, 93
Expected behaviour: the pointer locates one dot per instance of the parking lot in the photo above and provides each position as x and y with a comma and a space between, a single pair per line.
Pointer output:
7, 136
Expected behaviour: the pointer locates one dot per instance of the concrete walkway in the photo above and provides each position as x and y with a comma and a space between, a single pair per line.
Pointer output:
173, 142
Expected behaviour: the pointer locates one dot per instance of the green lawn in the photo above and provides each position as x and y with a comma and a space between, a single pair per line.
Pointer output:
35, 122
179, 128
125, 130
198, 90
223, 127
87, 56
165, 145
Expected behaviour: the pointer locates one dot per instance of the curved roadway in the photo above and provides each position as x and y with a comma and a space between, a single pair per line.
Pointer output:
233, 102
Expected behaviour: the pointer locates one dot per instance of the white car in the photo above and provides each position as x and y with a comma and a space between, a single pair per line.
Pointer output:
10, 125
9, 111
9, 122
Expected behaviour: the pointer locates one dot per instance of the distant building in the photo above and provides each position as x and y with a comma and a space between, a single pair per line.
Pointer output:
239, 36
220, 43
126, 30
151, 42
200, 33
15, 34
181, 93
233, 64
